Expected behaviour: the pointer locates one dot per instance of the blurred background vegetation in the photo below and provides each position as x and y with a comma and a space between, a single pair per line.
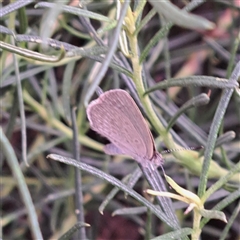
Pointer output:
54, 54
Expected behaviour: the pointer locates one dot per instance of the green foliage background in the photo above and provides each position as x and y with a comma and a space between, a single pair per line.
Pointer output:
181, 69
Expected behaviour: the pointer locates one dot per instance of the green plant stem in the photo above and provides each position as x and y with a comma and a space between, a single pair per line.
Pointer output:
139, 8
137, 78
196, 223
8, 151
214, 129
21, 109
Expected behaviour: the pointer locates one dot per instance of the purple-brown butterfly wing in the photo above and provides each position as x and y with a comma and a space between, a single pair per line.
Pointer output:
116, 116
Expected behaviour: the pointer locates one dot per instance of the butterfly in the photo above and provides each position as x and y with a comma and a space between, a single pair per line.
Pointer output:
116, 116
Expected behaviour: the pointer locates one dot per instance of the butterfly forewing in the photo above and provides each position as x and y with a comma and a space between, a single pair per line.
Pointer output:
116, 116
131, 111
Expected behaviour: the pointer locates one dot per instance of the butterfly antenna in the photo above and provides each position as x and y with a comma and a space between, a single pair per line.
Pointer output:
180, 149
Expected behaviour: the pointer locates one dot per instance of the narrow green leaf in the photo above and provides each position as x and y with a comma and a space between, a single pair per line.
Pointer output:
213, 214
181, 17
76, 11
174, 234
